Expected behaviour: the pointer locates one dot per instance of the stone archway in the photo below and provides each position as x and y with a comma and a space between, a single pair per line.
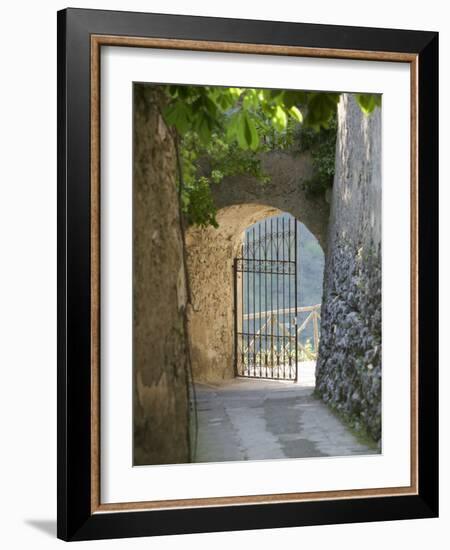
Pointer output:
285, 191
210, 262
241, 202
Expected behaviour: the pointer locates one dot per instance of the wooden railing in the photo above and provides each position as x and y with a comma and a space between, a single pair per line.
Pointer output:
273, 323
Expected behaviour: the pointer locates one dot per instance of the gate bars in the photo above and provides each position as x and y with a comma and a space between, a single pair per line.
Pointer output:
265, 292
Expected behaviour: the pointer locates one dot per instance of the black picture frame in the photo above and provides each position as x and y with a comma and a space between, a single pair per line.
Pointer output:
75, 518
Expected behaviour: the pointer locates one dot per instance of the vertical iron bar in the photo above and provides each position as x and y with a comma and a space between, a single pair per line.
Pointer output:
283, 279
296, 313
265, 292
247, 238
242, 308
271, 295
259, 302
290, 298
254, 303
236, 350
278, 305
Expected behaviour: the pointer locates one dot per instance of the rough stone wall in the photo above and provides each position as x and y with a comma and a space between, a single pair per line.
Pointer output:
348, 372
160, 404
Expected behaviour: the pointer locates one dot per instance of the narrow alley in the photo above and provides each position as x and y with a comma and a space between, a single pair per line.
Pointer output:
244, 419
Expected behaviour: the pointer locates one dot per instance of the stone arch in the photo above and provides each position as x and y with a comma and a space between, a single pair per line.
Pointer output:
286, 191
210, 256
241, 202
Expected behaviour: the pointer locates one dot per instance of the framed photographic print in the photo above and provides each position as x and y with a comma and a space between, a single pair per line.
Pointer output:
247, 257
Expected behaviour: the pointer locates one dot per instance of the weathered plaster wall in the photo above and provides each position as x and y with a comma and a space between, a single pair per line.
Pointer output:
348, 372
159, 294
210, 259
242, 201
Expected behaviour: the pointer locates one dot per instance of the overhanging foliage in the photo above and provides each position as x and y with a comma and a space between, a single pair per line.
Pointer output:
228, 128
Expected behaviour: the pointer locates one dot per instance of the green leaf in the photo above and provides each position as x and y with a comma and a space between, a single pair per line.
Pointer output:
276, 95
247, 131
242, 128
293, 98
296, 114
225, 100
251, 133
204, 129
279, 118
250, 99
233, 126
235, 92
178, 115
320, 109
243, 134
368, 102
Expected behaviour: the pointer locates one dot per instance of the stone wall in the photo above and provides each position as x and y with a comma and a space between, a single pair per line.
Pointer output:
348, 372
160, 399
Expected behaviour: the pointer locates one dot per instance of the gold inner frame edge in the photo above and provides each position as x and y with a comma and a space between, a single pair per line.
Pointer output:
97, 41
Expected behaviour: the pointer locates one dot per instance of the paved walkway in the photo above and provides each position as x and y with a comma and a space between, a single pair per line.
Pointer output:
249, 419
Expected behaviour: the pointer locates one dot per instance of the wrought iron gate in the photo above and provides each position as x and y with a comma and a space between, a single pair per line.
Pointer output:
265, 297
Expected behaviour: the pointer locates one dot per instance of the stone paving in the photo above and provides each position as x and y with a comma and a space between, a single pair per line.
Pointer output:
250, 419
